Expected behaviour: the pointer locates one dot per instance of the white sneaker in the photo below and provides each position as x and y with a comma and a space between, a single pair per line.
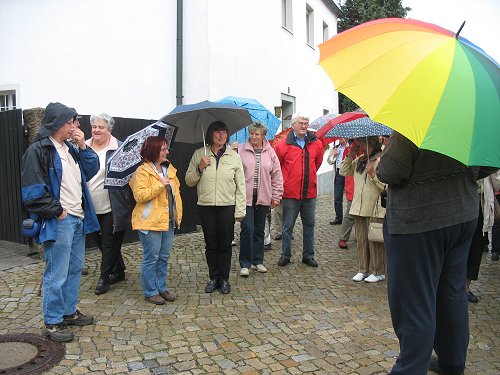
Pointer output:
260, 268
375, 278
244, 272
360, 276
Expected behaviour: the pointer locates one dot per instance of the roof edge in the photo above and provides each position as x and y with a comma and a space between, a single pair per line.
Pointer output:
331, 4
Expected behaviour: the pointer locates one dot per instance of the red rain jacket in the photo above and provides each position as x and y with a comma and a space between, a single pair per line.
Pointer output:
299, 166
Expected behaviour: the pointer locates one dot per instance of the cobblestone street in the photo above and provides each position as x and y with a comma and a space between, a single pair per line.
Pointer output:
290, 320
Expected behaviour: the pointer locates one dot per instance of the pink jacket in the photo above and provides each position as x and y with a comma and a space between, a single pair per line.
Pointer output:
270, 182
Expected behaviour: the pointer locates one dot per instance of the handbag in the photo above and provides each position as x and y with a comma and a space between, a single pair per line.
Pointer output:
375, 233
31, 227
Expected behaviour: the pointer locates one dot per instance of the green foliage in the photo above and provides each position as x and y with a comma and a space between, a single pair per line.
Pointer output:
356, 12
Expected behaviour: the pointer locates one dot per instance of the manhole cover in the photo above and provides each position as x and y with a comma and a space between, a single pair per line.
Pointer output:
28, 354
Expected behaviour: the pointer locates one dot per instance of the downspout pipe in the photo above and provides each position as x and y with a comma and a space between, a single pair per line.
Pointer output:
180, 11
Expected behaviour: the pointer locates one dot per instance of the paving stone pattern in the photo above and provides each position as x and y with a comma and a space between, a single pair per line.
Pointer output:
291, 320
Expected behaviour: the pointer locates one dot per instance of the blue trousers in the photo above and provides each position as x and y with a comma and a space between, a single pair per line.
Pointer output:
64, 264
426, 275
252, 236
291, 209
154, 267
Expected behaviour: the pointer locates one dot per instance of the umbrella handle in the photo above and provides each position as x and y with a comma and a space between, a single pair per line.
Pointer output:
204, 143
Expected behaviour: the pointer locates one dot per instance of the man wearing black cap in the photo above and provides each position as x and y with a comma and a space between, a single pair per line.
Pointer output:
54, 176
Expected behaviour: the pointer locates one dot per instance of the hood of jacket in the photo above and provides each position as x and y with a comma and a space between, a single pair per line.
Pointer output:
55, 116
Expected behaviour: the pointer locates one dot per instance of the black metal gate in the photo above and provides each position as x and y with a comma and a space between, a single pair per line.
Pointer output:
12, 146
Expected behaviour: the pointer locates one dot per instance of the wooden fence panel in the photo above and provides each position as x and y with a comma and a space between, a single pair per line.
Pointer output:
12, 146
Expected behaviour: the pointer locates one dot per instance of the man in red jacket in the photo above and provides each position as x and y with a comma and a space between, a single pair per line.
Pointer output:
300, 155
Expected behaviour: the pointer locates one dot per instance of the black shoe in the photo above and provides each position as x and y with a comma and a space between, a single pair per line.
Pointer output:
471, 297
102, 287
310, 262
267, 247
116, 277
78, 319
336, 222
283, 261
212, 285
434, 366
278, 237
225, 287
85, 271
495, 256
58, 332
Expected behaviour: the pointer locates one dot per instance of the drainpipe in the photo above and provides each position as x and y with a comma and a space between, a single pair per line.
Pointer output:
179, 95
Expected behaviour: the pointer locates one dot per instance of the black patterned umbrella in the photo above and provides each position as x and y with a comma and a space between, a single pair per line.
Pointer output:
125, 160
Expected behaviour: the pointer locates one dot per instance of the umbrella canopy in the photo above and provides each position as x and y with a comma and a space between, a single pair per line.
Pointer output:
258, 113
436, 88
361, 127
125, 160
325, 123
193, 120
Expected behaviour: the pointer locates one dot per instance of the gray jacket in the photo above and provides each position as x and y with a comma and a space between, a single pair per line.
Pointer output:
426, 190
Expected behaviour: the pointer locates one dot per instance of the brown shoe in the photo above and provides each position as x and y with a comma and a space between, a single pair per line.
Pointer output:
167, 296
157, 300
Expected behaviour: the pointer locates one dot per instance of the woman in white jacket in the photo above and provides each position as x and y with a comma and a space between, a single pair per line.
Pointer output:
220, 184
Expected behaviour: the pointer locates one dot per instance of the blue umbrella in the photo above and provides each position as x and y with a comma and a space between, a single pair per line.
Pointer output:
258, 113
361, 127
192, 120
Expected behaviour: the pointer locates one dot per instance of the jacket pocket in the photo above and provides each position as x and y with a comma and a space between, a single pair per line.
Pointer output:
147, 209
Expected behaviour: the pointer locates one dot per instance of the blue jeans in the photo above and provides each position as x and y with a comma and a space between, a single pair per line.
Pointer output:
252, 236
426, 275
291, 209
63, 269
338, 194
156, 246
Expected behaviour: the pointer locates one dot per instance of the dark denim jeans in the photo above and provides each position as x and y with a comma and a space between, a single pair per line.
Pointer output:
338, 194
291, 209
252, 236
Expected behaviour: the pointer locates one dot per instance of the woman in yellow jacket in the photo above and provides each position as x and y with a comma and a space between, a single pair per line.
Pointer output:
158, 210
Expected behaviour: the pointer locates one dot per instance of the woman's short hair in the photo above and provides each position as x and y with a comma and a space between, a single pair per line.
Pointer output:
258, 127
215, 126
150, 150
110, 121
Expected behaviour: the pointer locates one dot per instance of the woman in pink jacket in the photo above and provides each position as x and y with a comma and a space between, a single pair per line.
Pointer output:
264, 188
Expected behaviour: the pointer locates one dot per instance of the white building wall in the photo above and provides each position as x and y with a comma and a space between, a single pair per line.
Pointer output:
96, 55
119, 56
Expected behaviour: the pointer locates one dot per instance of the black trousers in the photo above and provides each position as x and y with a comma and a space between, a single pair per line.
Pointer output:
476, 248
218, 231
110, 245
426, 291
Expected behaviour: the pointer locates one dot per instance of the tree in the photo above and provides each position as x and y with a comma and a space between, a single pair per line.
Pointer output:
356, 12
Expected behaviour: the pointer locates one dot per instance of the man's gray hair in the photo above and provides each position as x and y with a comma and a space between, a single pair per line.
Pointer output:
297, 116
110, 121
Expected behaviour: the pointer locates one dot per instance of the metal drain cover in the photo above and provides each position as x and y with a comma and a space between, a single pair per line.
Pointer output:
28, 354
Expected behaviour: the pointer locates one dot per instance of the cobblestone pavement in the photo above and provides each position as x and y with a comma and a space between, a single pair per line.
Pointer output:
291, 320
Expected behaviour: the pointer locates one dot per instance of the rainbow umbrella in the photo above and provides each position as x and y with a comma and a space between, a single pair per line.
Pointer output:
436, 88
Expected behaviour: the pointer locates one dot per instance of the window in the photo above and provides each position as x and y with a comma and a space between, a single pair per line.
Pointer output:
7, 100
286, 14
326, 34
309, 25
